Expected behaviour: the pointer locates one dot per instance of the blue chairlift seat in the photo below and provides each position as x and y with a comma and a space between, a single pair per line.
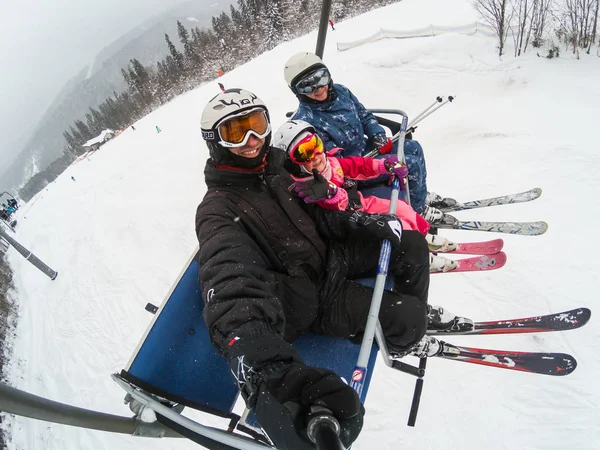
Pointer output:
176, 361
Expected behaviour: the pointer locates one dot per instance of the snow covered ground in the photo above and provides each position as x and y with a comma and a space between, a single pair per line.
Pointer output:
120, 233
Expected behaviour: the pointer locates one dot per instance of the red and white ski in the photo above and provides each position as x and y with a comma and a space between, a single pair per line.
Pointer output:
557, 364
562, 321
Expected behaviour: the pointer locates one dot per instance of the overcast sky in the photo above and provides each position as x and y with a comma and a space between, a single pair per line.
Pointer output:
43, 43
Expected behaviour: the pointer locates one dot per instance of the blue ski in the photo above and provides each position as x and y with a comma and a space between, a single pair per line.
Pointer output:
521, 197
522, 228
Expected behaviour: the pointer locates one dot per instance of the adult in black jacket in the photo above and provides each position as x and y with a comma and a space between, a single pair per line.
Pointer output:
272, 266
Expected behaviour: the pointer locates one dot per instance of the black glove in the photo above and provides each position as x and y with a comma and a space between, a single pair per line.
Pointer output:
384, 226
283, 389
314, 189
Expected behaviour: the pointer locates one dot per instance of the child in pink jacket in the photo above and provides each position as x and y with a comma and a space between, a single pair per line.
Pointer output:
306, 151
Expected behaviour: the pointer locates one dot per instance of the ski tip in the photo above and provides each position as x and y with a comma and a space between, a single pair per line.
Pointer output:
582, 316
539, 228
565, 365
500, 259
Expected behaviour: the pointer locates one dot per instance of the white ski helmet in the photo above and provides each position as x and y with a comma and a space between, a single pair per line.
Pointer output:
290, 133
227, 104
299, 65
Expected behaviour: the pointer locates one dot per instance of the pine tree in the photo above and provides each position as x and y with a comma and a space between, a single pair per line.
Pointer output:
192, 59
175, 54
92, 125
83, 130
71, 143
79, 140
274, 24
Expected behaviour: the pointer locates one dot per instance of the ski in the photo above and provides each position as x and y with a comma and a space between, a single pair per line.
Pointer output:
522, 228
476, 248
557, 364
567, 320
521, 197
479, 263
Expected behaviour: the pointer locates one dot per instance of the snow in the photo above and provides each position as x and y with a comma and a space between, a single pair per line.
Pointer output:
121, 233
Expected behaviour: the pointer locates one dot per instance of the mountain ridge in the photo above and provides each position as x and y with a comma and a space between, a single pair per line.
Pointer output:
96, 81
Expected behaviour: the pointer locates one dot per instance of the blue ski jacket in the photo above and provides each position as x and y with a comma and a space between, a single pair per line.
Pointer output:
341, 122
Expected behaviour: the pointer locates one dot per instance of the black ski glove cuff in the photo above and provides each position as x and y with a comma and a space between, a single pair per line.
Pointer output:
254, 358
382, 226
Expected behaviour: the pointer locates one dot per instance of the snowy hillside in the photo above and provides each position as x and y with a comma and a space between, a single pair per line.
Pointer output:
120, 233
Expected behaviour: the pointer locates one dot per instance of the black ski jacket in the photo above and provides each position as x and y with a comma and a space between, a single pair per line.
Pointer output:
261, 256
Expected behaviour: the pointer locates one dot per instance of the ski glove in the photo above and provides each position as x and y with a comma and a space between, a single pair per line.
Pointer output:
283, 390
397, 169
382, 143
303, 387
383, 226
314, 189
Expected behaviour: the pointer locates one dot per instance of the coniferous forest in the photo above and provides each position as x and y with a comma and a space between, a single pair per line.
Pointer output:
235, 37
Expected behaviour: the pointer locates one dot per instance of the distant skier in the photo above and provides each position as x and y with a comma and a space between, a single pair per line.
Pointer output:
222, 87
132, 127
12, 202
158, 130
331, 23
72, 178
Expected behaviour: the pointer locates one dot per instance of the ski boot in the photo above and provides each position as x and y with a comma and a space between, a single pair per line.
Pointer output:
437, 218
437, 243
439, 202
441, 264
443, 320
427, 347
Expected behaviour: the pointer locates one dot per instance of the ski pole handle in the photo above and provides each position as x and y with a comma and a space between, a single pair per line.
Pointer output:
324, 430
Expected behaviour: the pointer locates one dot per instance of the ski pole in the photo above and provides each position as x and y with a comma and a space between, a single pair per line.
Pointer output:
418, 119
52, 274
360, 371
394, 138
438, 99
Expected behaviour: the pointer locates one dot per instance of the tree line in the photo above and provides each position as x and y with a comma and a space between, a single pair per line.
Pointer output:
234, 38
573, 23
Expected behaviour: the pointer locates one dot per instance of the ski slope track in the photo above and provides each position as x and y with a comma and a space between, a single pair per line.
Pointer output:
120, 234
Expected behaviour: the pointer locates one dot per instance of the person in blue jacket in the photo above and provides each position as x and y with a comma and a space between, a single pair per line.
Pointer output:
342, 121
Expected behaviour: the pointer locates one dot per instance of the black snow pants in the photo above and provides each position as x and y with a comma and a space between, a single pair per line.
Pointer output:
345, 303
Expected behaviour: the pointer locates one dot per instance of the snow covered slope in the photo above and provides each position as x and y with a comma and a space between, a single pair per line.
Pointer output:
121, 232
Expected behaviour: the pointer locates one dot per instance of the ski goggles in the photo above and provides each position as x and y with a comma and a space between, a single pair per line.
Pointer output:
234, 131
305, 151
313, 81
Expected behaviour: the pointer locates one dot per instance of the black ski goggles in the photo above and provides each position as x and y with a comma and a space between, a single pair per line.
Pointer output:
313, 81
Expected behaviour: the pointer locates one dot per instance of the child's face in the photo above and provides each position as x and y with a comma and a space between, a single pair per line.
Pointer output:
318, 163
